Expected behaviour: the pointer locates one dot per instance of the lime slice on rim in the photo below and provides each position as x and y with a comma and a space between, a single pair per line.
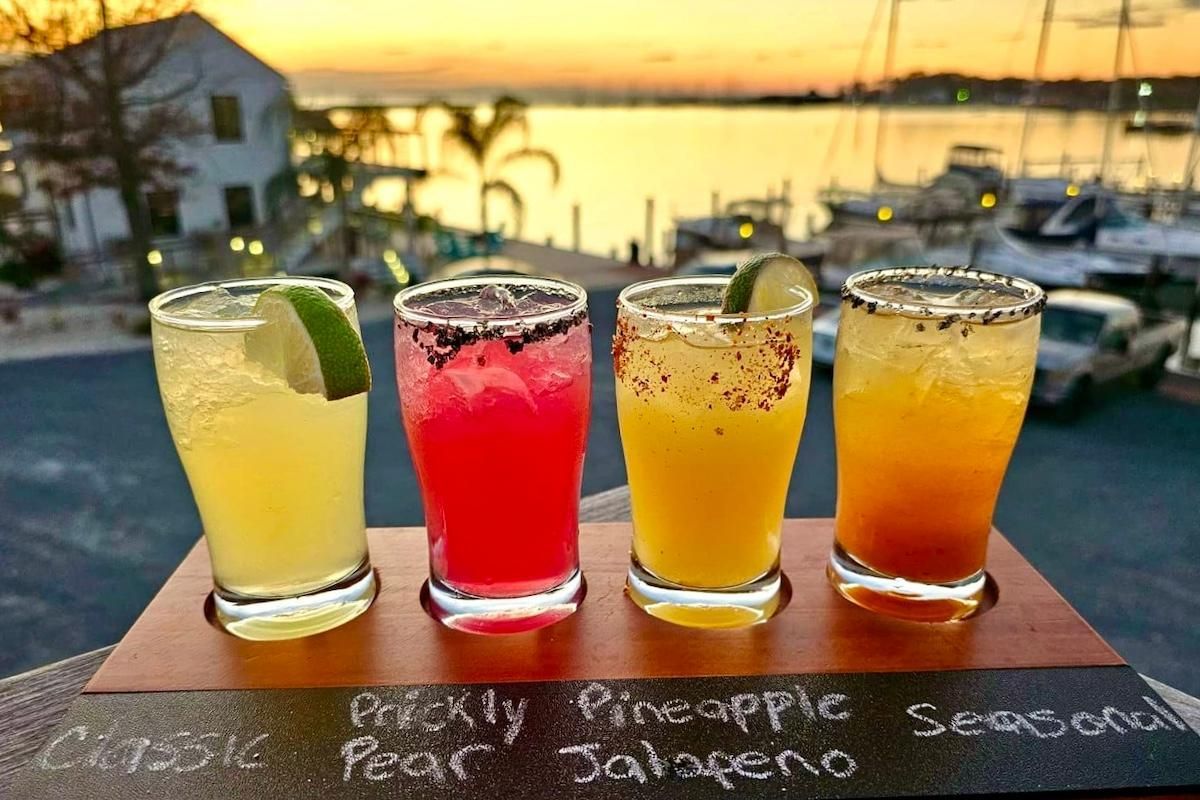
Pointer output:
310, 342
768, 282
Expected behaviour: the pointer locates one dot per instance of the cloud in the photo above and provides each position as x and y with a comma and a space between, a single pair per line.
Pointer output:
1144, 16
662, 57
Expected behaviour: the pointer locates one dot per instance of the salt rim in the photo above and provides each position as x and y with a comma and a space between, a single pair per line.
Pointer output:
451, 334
855, 291
554, 286
631, 306
340, 293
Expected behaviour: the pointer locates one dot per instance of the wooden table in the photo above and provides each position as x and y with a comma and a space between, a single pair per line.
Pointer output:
31, 704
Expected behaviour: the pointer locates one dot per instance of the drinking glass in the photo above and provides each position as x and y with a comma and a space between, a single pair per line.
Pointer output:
931, 380
277, 475
494, 378
710, 407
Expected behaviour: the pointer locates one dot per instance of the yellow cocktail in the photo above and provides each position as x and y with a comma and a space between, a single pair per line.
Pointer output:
711, 408
277, 474
931, 381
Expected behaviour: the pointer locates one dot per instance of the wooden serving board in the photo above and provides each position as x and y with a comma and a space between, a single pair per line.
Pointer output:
825, 700
173, 646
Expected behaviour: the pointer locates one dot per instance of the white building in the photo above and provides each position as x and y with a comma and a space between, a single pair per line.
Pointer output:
243, 108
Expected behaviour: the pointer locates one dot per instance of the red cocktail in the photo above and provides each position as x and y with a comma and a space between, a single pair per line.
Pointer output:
494, 376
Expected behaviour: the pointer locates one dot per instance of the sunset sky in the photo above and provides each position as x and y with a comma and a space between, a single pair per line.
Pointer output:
397, 47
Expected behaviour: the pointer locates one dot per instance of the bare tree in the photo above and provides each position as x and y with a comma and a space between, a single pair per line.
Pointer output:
93, 107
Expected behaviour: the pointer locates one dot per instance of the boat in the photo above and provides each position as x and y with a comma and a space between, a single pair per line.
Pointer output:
993, 249
968, 189
1100, 221
745, 226
1058, 265
1162, 127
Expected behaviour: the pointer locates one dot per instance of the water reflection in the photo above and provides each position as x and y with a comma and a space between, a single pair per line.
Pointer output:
613, 159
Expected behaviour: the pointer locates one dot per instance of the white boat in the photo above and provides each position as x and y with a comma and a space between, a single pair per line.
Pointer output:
1097, 220
1050, 265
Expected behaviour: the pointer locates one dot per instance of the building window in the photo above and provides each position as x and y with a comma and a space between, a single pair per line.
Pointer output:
164, 212
227, 118
239, 206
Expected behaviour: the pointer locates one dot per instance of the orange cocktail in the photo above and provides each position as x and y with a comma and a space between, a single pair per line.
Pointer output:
931, 381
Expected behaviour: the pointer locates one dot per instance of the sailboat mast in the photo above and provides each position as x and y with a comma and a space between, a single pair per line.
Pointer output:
1035, 87
889, 59
1189, 166
1114, 93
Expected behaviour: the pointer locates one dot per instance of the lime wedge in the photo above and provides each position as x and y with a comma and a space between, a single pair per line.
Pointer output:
768, 282
310, 342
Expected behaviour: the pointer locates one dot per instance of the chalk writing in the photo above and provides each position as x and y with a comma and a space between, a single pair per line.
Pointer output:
85, 747
1044, 723
972, 732
775, 708
382, 766
591, 763
433, 711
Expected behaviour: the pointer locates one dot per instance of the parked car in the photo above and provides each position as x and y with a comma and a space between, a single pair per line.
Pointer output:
1090, 338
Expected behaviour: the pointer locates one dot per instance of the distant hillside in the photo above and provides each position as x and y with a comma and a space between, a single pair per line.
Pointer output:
1173, 93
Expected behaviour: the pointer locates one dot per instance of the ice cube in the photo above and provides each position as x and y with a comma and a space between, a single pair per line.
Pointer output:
486, 388
216, 303
453, 308
703, 335
497, 300
945, 292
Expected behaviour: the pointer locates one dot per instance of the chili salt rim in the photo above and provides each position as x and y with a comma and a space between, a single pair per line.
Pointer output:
856, 291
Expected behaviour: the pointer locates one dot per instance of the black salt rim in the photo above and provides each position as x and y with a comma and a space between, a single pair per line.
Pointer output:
857, 292
551, 286
452, 334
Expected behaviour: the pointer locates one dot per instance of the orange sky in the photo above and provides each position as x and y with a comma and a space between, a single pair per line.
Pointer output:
400, 46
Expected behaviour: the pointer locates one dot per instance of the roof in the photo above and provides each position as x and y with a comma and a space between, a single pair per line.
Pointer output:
234, 42
1096, 302
144, 29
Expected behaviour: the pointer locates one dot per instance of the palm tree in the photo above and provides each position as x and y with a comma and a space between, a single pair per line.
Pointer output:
480, 142
333, 169
369, 132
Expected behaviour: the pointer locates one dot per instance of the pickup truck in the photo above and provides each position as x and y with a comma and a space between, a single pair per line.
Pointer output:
1090, 338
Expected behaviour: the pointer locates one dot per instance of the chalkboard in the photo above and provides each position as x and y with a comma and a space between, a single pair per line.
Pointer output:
977, 732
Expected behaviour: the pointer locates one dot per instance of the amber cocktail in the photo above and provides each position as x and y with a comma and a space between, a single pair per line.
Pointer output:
931, 381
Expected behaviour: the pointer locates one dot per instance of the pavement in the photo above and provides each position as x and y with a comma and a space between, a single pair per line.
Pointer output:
43, 331
589, 271
95, 512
